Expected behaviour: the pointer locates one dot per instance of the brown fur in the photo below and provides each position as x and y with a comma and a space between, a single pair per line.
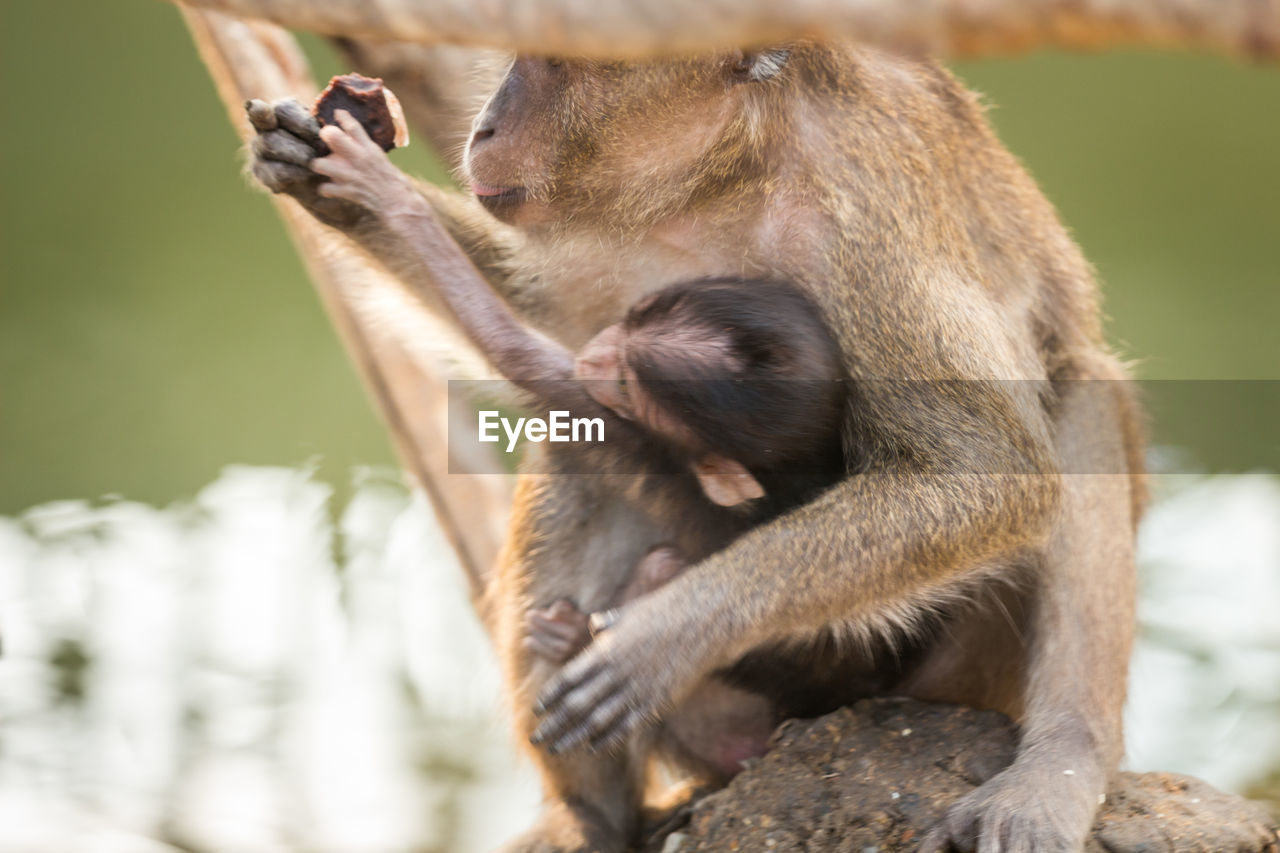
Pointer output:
874, 182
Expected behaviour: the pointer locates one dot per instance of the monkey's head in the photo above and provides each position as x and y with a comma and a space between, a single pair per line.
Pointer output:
741, 377
621, 142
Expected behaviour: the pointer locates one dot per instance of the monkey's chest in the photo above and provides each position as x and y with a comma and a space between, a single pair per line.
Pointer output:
585, 286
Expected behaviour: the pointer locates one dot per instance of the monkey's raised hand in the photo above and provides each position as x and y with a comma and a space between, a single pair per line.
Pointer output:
653, 656
281, 155
359, 171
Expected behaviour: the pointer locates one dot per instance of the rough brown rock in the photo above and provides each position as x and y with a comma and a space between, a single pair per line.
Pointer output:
877, 776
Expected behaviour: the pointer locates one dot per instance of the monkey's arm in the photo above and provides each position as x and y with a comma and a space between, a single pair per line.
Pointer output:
357, 189
971, 478
421, 252
288, 141
1080, 641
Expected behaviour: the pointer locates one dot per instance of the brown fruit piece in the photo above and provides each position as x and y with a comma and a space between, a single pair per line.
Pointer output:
370, 103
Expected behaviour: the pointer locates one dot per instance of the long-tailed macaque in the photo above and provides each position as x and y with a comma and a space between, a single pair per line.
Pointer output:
991, 526
723, 402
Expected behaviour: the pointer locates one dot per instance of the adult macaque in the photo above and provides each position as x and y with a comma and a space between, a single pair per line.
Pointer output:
989, 526
723, 401
708, 389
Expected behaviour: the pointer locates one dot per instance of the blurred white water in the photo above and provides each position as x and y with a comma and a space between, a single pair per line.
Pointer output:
1205, 679
263, 671
247, 673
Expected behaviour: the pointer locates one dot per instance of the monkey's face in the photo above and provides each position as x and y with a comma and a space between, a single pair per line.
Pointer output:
611, 380
601, 367
609, 143
609, 377
607, 367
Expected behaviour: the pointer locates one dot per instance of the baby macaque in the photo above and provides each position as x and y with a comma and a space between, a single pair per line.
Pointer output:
714, 370
703, 367
739, 376
722, 399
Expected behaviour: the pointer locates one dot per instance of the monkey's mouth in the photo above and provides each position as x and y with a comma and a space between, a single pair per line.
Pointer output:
498, 198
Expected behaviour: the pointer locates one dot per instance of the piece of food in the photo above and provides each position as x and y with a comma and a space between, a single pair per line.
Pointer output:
370, 103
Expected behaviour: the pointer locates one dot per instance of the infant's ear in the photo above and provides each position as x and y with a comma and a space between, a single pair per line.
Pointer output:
726, 482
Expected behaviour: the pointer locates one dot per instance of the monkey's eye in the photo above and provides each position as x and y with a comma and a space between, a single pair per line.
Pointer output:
742, 66
554, 61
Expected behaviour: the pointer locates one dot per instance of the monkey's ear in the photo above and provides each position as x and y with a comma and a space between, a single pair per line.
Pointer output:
726, 482
760, 65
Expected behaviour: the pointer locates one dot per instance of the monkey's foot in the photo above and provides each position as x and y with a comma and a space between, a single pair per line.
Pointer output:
1041, 807
563, 829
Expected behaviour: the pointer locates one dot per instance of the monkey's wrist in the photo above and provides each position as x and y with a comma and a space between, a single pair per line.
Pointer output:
405, 212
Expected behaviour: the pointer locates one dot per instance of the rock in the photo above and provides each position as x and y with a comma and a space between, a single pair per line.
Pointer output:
877, 776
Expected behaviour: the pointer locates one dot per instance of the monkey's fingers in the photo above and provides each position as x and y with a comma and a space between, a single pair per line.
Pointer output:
950, 835
335, 167
261, 115
348, 139
298, 120
339, 142
548, 648
616, 735
570, 678
561, 628
572, 710
283, 147
281, 177
603, 716
935, 842
562, 608
354, 129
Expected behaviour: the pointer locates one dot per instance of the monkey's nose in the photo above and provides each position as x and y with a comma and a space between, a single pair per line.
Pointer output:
481, 133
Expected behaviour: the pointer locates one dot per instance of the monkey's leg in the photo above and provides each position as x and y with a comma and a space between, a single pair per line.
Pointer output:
591, 800
979, 655
1081, 633
716, 729
569, 539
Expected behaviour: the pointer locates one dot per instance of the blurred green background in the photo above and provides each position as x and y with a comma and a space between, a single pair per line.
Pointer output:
155, 324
